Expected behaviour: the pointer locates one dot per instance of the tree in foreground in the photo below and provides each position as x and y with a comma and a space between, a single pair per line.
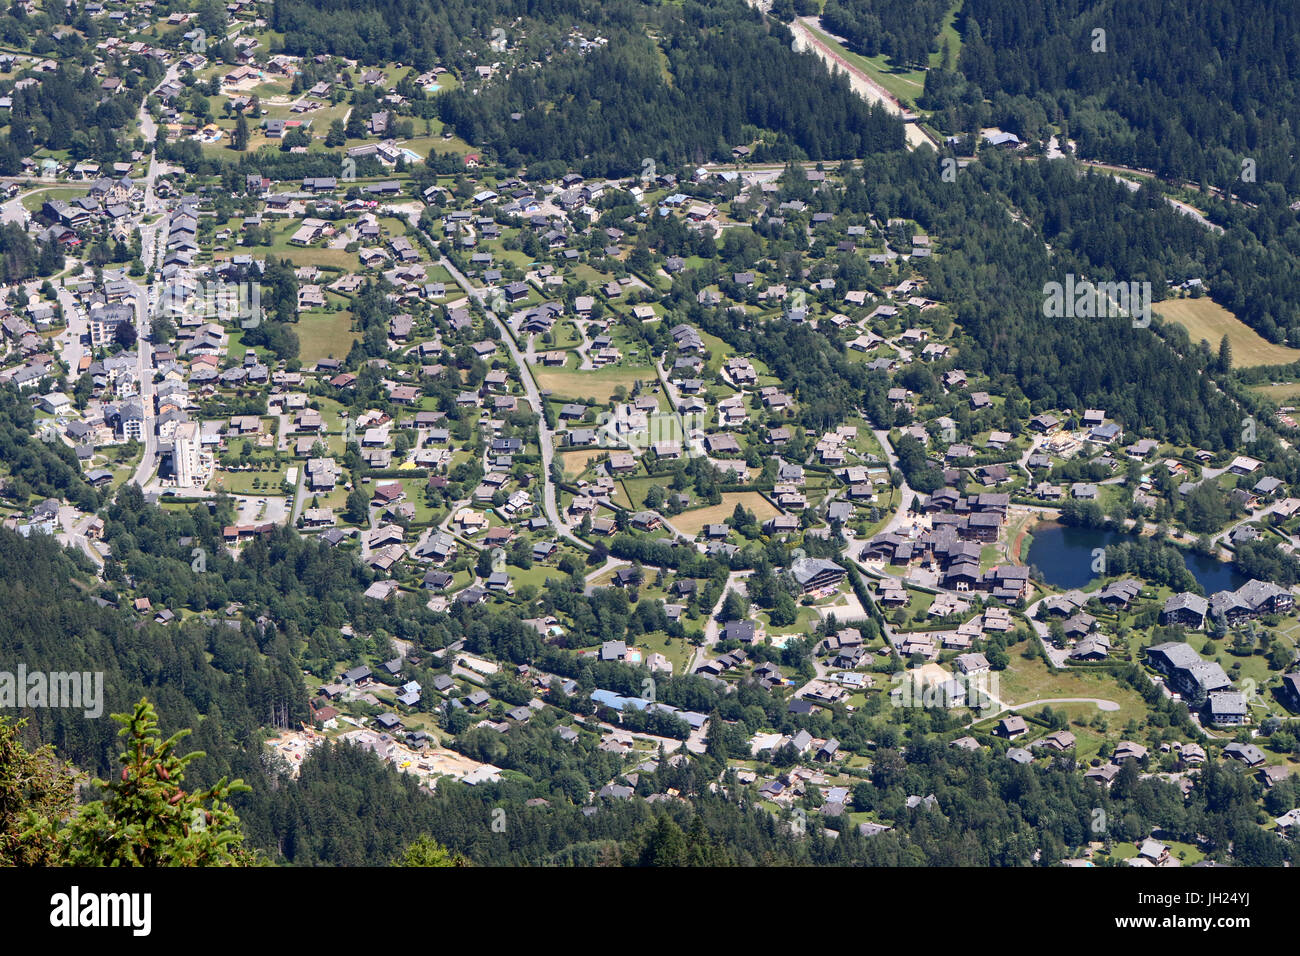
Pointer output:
34, 786
147, 818
426, 851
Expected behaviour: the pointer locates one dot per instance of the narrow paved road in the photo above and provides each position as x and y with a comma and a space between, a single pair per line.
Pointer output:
1182, 207
298, 495
610, 564
545, 437
735, 582
15, 211
73, 532
72, 349
906, 495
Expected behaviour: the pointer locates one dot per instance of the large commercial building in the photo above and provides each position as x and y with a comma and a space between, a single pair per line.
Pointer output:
186, 461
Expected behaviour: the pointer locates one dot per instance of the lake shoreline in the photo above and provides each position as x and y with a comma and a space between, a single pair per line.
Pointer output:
1065, 554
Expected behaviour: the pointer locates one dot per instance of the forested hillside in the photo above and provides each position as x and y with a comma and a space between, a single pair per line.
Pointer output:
33, 467
68, 111
997, 270
990, 812
674, 85
1190, 90
1072, 362
610, 109
906, 31
51, 624
423, 33
1113, 232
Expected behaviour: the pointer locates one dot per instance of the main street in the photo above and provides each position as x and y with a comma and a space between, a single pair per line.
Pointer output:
148, 466
143, 293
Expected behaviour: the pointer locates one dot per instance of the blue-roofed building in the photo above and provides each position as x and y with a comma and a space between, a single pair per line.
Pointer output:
607, 698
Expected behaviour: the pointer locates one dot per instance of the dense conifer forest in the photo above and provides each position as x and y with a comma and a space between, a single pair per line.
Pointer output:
708, 77
1189, 90
906, 31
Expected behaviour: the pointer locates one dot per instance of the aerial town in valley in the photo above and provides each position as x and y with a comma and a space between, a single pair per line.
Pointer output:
677, 485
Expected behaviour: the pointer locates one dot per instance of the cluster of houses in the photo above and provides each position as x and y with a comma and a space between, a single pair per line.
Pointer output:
887, 331
1251, 600
107, 209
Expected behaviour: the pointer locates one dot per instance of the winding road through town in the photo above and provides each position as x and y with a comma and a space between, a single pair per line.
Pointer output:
545, 436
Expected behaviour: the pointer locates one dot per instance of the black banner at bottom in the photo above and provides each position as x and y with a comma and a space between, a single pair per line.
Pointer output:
272, 903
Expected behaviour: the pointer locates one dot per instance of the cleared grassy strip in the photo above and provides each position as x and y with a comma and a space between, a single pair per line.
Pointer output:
1206, 319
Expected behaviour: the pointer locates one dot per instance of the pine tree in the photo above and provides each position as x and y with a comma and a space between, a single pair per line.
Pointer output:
34, 787
734, 607
426, 851
701, 850
146, 817
715, 739
665, 845
357, 506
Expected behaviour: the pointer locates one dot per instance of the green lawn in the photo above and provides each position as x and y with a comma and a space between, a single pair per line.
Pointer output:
33, 200
325, 335
270, 483
676, 650
596, 384
1028, 680
536, 575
